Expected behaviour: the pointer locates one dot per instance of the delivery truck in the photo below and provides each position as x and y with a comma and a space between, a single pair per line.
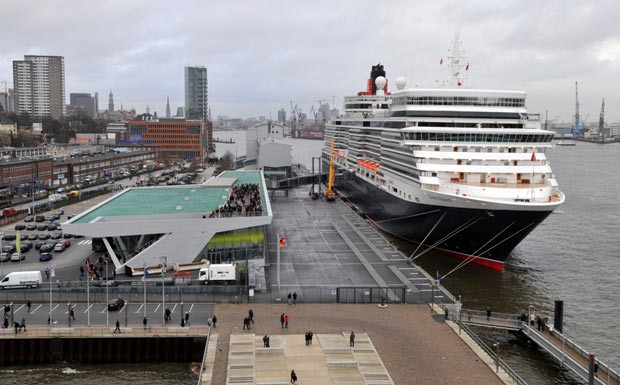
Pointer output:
19, 279
221, 274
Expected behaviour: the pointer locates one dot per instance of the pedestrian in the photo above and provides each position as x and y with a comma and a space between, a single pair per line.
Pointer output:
352, 340
28, 305
47, 273
6, 323
266, 341
310, 335
293, 377
282, 320
22, 325
246, 323
488, 314
214, 319
16, 324
72, 313
307, 337
286, 321
289, 298
294, 298
81, 273
251, 315
187, 319
167, 315
118, 327
144, 322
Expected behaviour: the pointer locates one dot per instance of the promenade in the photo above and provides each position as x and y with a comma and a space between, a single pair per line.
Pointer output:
414, 346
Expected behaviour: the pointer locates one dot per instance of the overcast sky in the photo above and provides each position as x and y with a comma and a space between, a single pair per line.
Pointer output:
262, 54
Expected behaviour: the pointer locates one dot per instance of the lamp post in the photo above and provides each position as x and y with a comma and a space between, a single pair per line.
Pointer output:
164, 260
52, 275
107, 298
496, 346
144, 280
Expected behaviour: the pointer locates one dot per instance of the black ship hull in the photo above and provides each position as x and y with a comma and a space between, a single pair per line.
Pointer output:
485, 236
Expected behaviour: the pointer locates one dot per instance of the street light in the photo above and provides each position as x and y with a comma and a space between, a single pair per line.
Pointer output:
496, 346
164, 260
107, 298
52, 275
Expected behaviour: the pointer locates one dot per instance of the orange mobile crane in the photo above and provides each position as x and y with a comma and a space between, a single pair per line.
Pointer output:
330, 194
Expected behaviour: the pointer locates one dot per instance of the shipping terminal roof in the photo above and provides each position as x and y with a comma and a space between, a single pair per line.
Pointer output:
171, 200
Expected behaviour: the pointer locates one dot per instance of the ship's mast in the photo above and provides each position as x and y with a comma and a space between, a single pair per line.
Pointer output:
457, 65
577, 128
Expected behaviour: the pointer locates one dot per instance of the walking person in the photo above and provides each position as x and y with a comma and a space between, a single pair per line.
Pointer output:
5, 325
307, 336
293, 377
214, 319
282, 320
289, 298
251, 315
246, 323
294, 298
144, 322
286, 321
29, 305
488, 314
310, 335
187, 319
167, 315
22, 325
118, 327
352, 340
72, 314
266, 341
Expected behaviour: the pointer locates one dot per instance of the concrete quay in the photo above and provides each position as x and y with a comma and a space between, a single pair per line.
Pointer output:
413, 345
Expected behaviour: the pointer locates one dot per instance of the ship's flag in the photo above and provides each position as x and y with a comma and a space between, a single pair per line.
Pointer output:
467, 67
533, 157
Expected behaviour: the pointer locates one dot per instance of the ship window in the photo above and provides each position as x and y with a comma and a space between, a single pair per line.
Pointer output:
489, 150
437, 148
478, 149
433, 174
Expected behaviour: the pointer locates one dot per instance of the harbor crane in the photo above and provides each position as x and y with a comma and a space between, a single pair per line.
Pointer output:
330, 194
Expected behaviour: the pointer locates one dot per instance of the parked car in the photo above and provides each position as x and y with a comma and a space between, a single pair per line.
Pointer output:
44, 257
66, 243
42, 227
8, 237
8, 248
38, 244
51, 227
67, 235
20, 226
59, 247
59, 212
27, 244
31, 226
78, 236
29, 218
5, 257
117, 304
33, 236
46, 248
39, 218
44, 236
56, 235
16, 257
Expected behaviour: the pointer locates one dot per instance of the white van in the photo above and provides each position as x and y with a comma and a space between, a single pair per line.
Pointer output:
21, 279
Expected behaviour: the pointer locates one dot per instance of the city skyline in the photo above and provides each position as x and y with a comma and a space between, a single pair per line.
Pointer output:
261, 56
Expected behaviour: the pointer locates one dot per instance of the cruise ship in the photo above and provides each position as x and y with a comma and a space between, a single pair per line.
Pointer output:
456, 170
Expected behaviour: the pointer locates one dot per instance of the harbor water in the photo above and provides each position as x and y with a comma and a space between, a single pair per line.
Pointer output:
571, 257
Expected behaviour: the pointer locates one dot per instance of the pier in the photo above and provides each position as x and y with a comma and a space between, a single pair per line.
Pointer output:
572, 356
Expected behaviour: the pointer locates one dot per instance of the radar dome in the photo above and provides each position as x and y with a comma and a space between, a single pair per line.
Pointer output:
380, 82
401, 82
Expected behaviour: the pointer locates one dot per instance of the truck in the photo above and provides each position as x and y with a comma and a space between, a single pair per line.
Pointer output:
218, 274
18, 279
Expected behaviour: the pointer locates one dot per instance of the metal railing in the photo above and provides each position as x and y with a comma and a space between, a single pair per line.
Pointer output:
493, 354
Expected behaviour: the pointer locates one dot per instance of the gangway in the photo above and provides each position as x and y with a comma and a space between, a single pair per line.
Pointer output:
566, 351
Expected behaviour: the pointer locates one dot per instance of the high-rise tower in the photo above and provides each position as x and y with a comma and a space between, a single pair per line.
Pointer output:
167, 106
40, 86
196, 98
111, 102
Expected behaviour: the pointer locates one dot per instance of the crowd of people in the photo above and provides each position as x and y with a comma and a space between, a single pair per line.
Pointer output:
244, 200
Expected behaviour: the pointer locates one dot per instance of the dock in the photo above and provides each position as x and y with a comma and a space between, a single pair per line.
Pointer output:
567, 352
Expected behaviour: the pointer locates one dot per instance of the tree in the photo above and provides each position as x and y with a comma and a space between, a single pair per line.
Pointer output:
227, 161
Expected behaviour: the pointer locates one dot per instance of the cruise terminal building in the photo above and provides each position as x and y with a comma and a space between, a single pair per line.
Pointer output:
221, 220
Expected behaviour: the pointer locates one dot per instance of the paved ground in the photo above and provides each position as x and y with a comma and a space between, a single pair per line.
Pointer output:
415, 347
